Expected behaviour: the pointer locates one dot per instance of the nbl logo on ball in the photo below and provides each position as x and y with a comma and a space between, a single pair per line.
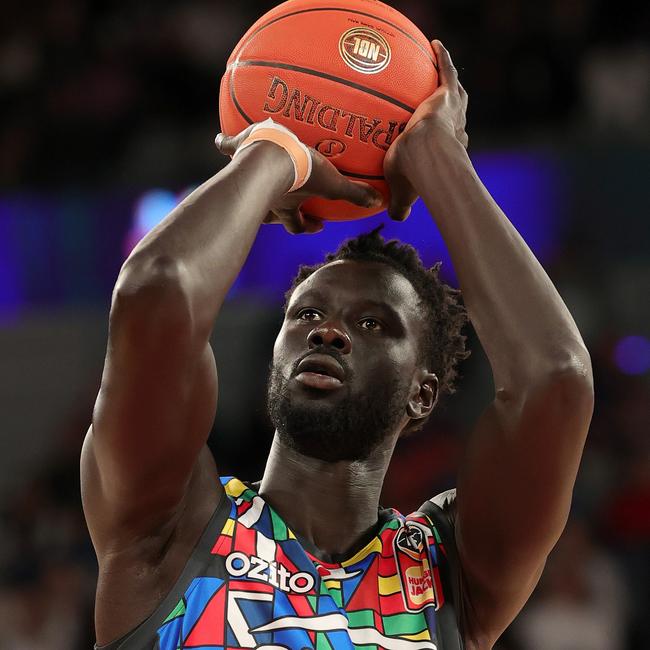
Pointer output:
364, 50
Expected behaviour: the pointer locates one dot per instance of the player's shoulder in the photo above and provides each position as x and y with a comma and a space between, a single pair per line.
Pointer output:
446, 500
440, 513
441, 507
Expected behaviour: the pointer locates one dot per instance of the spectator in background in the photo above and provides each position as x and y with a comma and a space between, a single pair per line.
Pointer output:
47, 569
616, 89
581, 601
626, 523
42, 609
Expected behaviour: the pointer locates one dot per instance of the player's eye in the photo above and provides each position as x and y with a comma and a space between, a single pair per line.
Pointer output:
309, 315
371, 324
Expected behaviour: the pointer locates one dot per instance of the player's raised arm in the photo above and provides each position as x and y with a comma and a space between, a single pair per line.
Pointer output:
158, 393
516, 481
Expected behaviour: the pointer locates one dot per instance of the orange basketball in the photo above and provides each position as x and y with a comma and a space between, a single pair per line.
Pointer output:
343, 75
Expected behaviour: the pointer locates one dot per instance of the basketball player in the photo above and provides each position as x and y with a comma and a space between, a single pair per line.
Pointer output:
306, 558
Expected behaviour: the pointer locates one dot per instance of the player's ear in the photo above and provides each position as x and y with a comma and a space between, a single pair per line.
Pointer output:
424, 397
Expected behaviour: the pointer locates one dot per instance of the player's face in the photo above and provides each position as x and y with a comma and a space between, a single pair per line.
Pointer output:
345, 359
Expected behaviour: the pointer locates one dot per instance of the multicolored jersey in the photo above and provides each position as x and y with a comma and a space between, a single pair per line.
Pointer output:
252, 583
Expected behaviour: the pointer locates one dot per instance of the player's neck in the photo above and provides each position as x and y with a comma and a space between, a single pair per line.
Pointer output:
333, 505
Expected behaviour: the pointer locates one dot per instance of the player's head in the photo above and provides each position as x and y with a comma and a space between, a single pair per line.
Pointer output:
394, 329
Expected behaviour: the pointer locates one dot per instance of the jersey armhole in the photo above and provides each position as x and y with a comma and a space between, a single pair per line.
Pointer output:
449, 618
146, 632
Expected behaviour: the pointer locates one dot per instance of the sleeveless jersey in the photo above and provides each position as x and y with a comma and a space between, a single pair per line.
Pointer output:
252, 583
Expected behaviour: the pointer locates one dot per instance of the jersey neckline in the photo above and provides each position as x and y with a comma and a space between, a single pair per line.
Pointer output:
358, 551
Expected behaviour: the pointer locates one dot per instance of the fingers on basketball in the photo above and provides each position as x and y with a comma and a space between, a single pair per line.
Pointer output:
298, 223
446, 69
312, 224
363, 194
400, 204
337, 187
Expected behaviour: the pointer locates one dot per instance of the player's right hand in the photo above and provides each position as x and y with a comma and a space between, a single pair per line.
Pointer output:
437, 121
325, 182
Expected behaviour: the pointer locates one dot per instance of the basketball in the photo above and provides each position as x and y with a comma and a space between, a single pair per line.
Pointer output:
345, 76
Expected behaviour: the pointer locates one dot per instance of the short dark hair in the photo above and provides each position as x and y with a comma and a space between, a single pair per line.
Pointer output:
443, 344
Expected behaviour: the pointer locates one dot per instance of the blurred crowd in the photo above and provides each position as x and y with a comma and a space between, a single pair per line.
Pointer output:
110, 94
101, 92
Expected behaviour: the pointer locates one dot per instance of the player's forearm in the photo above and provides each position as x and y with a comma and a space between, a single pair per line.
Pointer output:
203, 243
521, 320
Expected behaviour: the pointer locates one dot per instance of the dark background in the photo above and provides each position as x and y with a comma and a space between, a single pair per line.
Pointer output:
107, 116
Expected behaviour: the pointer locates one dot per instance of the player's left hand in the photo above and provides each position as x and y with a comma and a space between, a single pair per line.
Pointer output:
441, 117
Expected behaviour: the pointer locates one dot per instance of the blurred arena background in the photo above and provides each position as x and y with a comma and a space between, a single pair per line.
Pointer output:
107, 116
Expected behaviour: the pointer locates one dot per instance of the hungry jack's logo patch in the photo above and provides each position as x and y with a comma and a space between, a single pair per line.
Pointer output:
416, 574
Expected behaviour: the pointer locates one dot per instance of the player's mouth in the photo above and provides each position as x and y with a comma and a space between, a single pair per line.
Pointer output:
320, 371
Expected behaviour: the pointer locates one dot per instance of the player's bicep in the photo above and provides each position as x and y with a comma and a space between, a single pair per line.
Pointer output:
153, 414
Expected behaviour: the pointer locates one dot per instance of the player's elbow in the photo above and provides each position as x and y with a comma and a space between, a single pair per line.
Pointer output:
145, 281
572, 382
152, 293
566, 392
558, 392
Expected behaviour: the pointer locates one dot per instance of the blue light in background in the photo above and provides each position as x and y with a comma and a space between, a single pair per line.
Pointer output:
59, 249
632, 355
276, 254
152, 207
527, 186
530, 188
11, 298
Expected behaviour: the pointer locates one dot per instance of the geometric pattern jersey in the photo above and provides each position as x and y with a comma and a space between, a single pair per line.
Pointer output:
263, 588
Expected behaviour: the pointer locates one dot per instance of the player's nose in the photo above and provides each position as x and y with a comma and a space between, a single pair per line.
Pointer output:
332, 335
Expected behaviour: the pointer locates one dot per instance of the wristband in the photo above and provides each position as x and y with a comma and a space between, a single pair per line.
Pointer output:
283, 137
